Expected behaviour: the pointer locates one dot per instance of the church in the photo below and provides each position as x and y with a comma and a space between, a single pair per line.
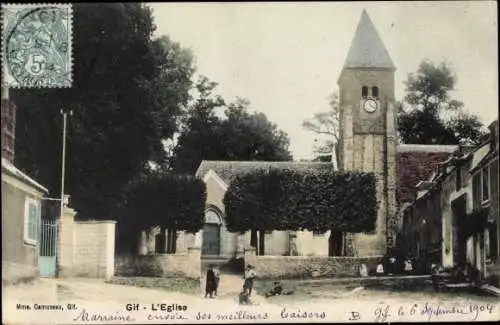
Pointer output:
368, 143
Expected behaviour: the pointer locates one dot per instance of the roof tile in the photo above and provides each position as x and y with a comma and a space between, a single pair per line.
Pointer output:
227, 170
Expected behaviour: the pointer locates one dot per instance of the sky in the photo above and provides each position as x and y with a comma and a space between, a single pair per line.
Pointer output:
286, 57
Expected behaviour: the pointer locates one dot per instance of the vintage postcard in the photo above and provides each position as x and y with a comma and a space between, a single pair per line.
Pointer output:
258, 162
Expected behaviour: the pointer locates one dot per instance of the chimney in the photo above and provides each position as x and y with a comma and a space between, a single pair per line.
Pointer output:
8, 126
494, 135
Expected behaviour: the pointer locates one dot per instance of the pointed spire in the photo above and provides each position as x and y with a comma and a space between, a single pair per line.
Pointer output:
367, 49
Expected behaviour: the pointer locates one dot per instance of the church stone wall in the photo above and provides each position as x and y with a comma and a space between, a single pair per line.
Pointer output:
290, 267
276, 243
215, 193
187, 264
309, 244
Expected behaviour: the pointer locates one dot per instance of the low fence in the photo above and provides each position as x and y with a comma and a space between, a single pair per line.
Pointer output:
282, 267
160, 265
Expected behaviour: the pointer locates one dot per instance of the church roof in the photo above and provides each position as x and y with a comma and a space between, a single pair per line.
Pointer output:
367, 49
227, 170
416, 163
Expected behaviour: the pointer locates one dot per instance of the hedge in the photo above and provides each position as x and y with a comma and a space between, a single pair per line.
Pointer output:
166, 200
277, 199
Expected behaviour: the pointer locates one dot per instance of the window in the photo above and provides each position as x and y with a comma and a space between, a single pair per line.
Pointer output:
165, 242
364, 92
212, 217
31, 221
491, 243
375, 92
171, 241
458, 179
486, 184
10, 125
417, 244
476, 190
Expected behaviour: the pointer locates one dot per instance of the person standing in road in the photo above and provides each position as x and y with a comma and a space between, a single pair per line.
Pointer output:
250, 275
210, 282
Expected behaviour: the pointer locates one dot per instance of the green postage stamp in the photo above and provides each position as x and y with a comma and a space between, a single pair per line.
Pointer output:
37, 45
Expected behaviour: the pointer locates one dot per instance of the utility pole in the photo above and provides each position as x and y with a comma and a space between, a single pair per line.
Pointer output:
63, 163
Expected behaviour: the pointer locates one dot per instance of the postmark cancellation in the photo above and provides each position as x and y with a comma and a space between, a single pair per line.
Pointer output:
37, 45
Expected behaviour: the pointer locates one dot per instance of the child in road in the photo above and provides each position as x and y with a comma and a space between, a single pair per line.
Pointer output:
250, 275
217, 278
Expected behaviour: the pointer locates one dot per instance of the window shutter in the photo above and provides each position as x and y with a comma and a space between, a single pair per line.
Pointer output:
38, 221
32, 221
486, 185
476, 190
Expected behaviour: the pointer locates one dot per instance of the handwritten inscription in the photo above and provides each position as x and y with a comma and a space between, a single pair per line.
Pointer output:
85, 316
166, 316
470, 311
381, 313
238, 315
301, 314
354, 315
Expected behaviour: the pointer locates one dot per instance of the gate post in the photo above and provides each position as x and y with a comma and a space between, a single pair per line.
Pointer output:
66, 242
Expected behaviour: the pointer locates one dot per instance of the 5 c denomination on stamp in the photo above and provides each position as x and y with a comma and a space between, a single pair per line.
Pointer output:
37, 45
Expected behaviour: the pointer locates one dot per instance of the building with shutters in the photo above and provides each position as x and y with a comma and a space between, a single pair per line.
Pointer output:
21, 207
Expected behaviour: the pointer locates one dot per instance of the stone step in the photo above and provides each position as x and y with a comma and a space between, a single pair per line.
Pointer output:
491, 289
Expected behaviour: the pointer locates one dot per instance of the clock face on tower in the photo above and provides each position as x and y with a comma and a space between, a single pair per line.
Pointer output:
370, 105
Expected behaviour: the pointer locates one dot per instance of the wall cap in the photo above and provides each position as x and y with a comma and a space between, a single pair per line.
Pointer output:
96, 221
319, 257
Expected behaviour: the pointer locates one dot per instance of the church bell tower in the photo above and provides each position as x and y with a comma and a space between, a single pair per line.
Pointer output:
368, 131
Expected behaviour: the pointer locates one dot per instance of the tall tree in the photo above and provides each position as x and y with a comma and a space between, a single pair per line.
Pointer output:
128, 93
235, 134
327, 124
428, 113
251, 136
197, 139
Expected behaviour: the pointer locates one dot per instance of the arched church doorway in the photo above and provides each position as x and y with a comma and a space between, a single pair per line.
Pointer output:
211, 233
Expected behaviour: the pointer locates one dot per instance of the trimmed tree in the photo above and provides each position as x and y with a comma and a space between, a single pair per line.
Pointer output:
267, 200
166, 200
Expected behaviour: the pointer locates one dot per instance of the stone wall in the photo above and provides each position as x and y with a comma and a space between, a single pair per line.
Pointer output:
160, 265
86, 248
283, 267
94, 249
